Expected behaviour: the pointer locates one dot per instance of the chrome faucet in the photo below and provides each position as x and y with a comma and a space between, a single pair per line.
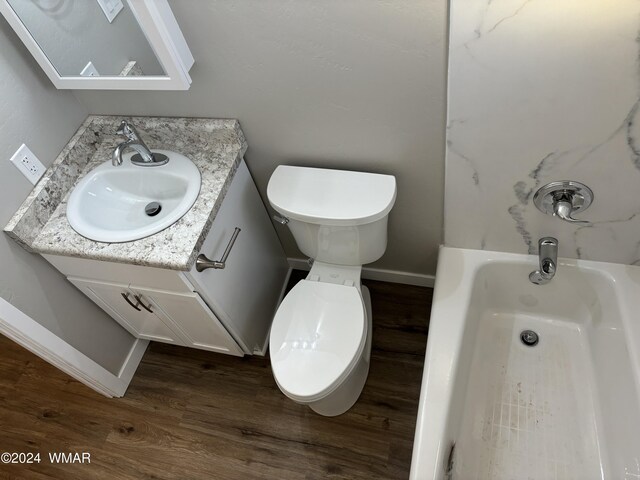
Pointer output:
144, 156
548, 257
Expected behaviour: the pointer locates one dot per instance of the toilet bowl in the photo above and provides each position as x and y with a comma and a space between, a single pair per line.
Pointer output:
320, 340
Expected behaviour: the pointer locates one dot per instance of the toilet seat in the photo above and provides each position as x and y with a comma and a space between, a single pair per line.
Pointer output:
317, 337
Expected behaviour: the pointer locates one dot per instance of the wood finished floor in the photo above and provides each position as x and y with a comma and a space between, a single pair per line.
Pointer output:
191, 414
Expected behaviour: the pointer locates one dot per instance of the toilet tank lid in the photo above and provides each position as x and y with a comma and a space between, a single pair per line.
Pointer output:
331, 197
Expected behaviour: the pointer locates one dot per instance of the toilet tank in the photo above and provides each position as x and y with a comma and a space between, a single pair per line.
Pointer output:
335, 216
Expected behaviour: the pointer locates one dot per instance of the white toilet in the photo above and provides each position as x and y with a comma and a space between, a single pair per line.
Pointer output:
320, 340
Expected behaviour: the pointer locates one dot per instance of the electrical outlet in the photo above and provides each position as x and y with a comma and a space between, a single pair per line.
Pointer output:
28, 164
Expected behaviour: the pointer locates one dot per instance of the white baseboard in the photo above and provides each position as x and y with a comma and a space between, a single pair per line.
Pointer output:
25, 331
383, 275
130, 366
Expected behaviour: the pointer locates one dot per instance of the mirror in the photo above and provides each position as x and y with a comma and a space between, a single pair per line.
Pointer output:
78, 39
104, 44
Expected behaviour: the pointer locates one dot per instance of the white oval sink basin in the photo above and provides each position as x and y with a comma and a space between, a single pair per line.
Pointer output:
108, 204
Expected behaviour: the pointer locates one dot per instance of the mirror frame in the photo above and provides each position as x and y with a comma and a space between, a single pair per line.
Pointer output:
160, 28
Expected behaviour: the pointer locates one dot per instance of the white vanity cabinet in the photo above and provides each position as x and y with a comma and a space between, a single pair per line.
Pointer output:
119, 302
169, 317
225, 310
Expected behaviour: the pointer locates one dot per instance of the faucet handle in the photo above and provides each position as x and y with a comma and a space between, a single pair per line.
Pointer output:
563, 199
563, 208
122, 128
128, 130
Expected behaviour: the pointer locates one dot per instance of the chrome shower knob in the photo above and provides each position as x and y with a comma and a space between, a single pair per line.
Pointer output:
563, 199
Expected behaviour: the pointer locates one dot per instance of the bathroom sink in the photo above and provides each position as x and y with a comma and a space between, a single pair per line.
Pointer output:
128, 202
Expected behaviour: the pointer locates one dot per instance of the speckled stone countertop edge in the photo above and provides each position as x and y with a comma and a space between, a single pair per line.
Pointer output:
23, 225
35, 235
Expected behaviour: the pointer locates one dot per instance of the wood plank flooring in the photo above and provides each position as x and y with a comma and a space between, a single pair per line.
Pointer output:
191, 414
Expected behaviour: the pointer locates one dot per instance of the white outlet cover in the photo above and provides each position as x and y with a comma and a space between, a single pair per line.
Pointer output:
28, 164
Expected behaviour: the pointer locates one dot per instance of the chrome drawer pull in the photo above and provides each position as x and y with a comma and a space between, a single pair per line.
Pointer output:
139, 299
126, 297
202, 263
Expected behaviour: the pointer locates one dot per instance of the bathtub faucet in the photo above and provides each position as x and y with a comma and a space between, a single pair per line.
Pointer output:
548, 257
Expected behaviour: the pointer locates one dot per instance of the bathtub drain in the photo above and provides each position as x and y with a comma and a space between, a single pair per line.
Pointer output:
529, 338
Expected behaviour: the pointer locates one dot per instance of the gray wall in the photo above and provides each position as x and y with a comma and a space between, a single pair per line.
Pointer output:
72, 33
354, 85
35, 113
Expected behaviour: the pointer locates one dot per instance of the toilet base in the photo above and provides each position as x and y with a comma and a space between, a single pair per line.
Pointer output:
348, 392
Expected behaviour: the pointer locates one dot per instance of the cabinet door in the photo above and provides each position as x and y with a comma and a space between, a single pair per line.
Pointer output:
195, 321
245, 294
140, 323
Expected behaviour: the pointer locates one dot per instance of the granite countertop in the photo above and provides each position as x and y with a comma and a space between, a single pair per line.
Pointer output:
215, 146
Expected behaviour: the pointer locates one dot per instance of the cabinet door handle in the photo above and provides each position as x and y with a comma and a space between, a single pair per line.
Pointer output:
126, 297
141, 303
202, 263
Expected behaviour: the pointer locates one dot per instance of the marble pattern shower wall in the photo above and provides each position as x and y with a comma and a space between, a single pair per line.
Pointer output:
542, 90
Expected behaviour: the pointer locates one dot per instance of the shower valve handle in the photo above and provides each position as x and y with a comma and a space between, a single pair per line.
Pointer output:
563, 199
563, 208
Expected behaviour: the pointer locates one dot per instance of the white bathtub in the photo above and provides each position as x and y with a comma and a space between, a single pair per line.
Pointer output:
568, 407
